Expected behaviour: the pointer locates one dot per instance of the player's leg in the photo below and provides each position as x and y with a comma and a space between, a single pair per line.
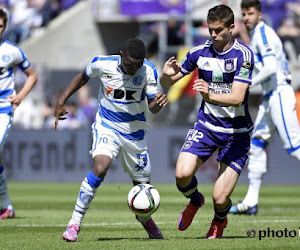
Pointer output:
257, 165
232, 157
196, 149
136, 162
87, 192
7, 210
285, 119
105, 148
223, 188
186, 181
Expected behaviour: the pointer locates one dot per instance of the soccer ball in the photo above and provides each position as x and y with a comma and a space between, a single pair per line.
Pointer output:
143, 199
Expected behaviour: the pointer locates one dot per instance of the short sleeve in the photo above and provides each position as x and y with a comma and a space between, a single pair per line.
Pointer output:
189, 63
93, 69
245, 65
21, 60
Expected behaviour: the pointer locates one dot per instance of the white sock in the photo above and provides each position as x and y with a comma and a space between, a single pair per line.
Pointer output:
85, 197
4, 197
251, 198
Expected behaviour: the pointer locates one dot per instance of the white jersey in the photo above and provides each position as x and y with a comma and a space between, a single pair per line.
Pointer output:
276, 113
265, 42
11, 56
122, 105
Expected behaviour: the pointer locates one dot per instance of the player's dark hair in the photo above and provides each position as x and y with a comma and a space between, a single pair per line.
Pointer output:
135, 48
221, 13
246, 4
3, 15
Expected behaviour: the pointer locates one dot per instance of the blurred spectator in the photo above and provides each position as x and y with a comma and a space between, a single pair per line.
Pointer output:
289, 33
75, 118
175, 33
25, 16
66, 4
87, 104
28, 115
49, 105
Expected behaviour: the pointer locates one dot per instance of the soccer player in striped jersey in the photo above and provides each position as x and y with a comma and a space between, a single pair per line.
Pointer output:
225, 69
11, 57
277, 111
127, 91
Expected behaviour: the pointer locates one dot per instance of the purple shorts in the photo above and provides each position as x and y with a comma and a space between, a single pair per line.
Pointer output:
233, 148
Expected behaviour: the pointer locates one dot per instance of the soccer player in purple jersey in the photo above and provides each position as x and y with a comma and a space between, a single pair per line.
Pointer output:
225, 69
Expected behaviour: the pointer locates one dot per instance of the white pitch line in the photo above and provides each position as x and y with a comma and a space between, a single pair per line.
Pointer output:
83, 225
134, 223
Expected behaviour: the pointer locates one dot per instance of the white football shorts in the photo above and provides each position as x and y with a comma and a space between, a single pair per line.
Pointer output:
134, 154
5, 123
278, 114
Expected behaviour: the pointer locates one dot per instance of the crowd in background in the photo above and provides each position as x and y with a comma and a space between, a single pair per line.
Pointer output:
28, 15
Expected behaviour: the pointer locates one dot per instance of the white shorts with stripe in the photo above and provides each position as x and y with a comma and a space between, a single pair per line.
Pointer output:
5, 124
134, 154
277, 113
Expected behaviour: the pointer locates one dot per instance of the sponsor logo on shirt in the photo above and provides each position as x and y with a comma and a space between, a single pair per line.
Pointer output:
217, 76
244, 73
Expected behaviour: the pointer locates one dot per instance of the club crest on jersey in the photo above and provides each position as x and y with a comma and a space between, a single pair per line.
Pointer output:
5, 58
137, 80
229, 65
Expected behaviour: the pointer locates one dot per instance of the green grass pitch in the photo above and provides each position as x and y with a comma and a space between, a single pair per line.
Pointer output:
44, 209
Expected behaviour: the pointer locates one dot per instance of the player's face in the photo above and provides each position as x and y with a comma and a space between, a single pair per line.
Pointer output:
251, 17
2, 27
220, 34
130, 65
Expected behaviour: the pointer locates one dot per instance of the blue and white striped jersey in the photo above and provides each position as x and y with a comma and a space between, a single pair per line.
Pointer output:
122, 98
220, 70
11, 56
264, 43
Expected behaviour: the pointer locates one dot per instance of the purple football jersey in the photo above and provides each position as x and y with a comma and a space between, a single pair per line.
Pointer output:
220, 70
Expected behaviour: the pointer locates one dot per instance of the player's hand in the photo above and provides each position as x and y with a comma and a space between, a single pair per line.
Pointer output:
15, 100
202, 86
171, 67
59, 112
161, 99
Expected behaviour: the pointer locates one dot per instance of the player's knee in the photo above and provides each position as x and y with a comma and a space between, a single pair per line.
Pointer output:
183, 175
220, 199
101, 165
258, 149
255, 175
257, 159
182, 180
296, 154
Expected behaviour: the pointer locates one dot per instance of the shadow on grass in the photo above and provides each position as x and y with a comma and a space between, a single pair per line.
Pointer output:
186, 238
125, 238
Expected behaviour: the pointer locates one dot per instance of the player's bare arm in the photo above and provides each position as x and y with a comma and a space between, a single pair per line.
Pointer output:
60, 110
235, 98
29, 84
171, 73
158, 102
